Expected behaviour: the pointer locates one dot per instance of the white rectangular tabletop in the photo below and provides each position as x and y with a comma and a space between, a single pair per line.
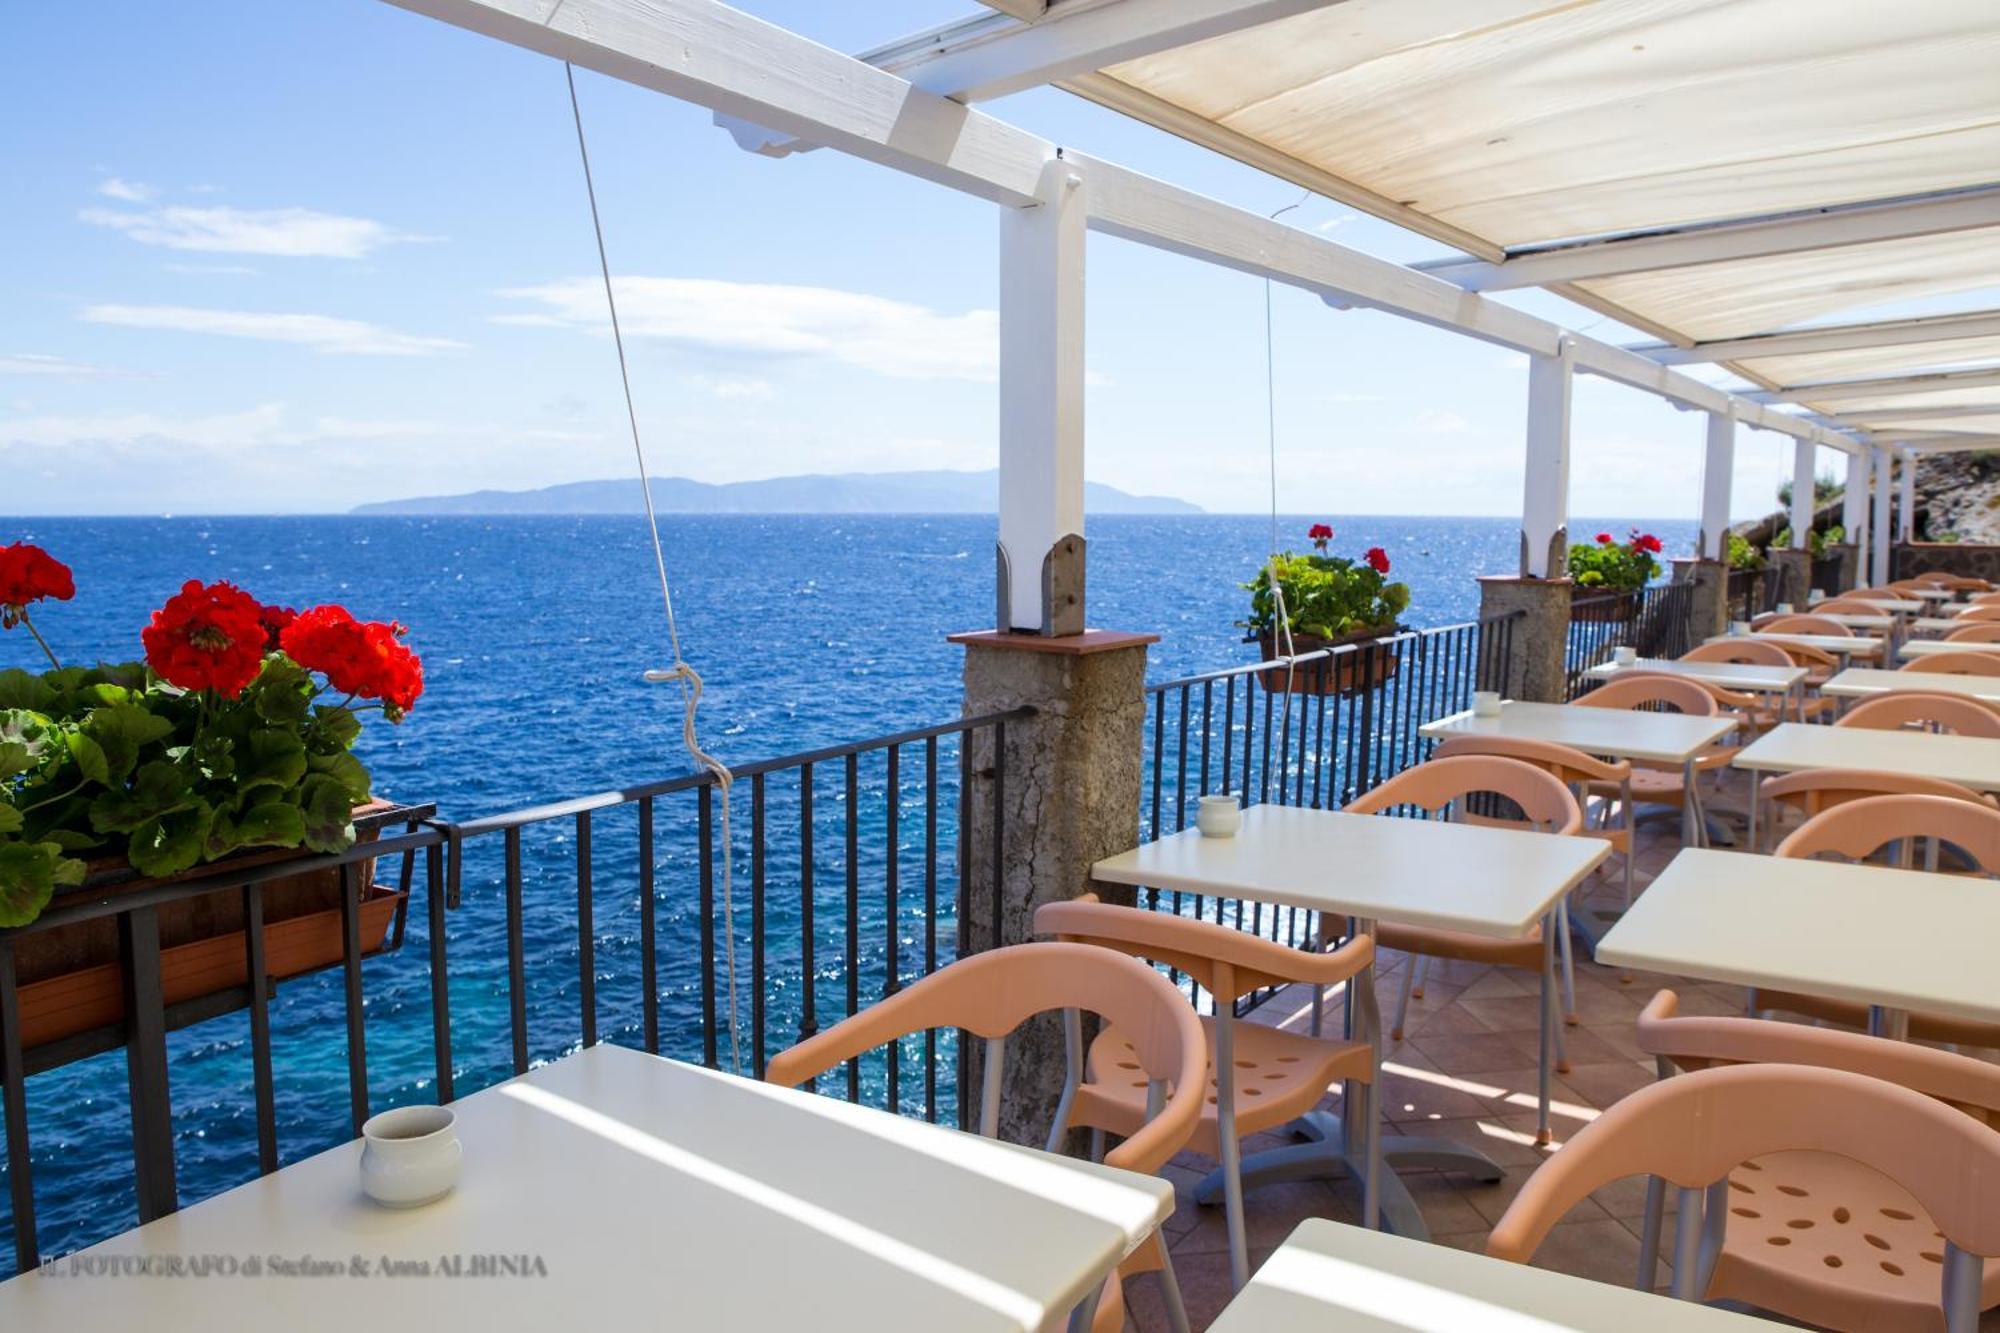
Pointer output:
1904, 604
1745, 676
1970, 761
1865, 682
655, 1195
1938, 624
1329, 1277
1496, 882
1855, 620
1618, 733
1860, 645
1930, 647
1900, 939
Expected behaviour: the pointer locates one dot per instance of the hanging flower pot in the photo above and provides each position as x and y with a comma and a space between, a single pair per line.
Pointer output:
231, 743
1608, 576
1326, 601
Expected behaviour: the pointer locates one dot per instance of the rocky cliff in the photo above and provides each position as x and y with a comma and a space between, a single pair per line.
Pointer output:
1958, 497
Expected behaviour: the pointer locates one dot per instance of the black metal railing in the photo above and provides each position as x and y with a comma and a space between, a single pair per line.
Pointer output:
1826, 576
1348, 721
853, 879
1656, 621
1751, 592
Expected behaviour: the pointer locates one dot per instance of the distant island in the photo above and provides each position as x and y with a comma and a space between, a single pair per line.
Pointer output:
939, 492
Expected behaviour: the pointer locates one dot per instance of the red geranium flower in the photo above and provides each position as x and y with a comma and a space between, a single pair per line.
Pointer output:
1646, 541
1320, 532
365, 659
1604, 539
1378, 559
28, 574
207, 638
274, 619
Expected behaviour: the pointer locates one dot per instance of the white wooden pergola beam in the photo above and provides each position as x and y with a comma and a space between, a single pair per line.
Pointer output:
1719, 242
1832, 338
1835, 391
991, 55
1947, 441
1943, 412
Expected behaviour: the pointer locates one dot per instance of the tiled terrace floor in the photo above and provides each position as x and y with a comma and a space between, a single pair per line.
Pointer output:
1466, 1070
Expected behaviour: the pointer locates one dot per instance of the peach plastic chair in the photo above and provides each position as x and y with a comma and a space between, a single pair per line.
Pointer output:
1805, 624
1259, 1077
1979, 631
1882, 594
1696, 1130
1956, 664
1983, 599
1745, 650
1667, 784
1977, 614
1813, 790
1856, 830
1546, 805
1821, 1239
1849, 606
1932, 712
993, 993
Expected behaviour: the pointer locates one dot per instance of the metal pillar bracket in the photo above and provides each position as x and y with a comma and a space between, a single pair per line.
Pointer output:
1003, 583
1062, 587
1558, 565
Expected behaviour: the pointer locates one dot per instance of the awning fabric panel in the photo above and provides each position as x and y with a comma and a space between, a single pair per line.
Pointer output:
1866, 362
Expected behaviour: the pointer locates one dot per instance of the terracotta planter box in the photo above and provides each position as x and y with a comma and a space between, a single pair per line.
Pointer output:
71, 980
1344, 674
1600, 604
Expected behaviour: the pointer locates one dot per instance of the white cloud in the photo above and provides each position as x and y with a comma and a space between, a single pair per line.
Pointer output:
1335, 223
258, 425
1438, 421
55, 367
229, 270
130, 192
894, 338
290, 232
322, 333
735, 386
1511, 361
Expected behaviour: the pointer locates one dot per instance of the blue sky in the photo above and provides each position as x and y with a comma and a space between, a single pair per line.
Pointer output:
290, 257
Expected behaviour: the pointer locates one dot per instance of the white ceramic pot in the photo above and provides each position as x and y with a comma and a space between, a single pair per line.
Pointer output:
410, 1156
1218, 816
1486, 703
1624, 655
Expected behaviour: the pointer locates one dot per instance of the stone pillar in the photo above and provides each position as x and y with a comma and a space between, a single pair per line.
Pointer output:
1708, 610
1794, 568
1069, 797
1849, 555
1535, 643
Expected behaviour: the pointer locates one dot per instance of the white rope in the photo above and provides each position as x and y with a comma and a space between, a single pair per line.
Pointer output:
686, 675
1284, 620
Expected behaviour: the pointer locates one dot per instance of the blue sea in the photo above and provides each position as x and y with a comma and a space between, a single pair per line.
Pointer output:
809, 631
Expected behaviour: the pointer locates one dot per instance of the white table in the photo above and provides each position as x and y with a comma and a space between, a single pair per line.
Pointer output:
1930, 647
1331, 1278
1841, 645
1944, 622
1495, 882
1867, 682
1894, 940
655, 1194
1906, 605
1855, 620
1744, 677
1970, 761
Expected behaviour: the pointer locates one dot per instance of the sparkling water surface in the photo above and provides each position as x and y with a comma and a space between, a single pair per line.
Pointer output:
808, 630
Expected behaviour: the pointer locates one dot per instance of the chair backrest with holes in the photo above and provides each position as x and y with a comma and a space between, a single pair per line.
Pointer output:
1640, 689
1973, 615
1693, 1130
1852, 606
1543, 800
1856, 830
1815, 789
1968, 663
1948, 712
1559, 761
1742, 650
1807, 624
993, 993
1978, 631
1883, 594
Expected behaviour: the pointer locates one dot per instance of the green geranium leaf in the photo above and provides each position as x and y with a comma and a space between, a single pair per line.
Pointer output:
27, 880
272, 758
89, 756
350, 772
10, 819
283, 693
272, 823
328, 814
25, 690
15, 759
72, 840
159, 789
170, 843
123, 730
335, 728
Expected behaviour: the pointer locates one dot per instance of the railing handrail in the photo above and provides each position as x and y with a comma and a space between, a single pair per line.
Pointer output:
1327, 654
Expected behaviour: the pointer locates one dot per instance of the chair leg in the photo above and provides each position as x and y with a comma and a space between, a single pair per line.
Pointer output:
1687, 1243
1403, 1000
1423, 966
1962, 1276
1170, 1292
1371, 1179
1649, 1233
1549, 1028
1232, 1150
1569, 967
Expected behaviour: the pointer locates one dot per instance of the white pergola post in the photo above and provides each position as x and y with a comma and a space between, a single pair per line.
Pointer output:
1804, 455
1879, 571
1545, 487
1717, 471
1041, 552
1854, 500
1906, 520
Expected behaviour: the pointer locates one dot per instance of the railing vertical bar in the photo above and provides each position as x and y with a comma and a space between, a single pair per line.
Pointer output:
999, 830
853, 858
962, 913
586, 931
517, 965
1319, 750
350, 952
1159, 762
256, 975
434, 890
1181, 764
649, 949
1228, 731
808, 927
893, 912
758, 982
1249, 727
1264, 776
1207, 725
930, 914
14, 1106
705, 841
